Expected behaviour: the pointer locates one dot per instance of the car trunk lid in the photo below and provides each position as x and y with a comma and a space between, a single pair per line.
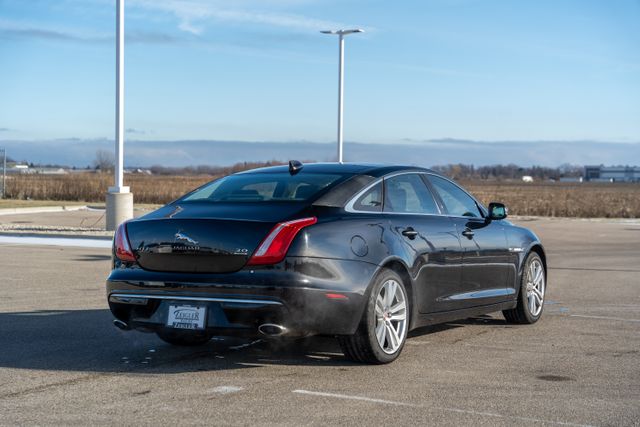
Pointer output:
201, 238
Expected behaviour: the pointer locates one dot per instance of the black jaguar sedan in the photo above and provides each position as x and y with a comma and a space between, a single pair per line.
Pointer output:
361, 252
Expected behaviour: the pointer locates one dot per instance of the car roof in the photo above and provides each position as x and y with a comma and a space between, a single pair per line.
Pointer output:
371, 169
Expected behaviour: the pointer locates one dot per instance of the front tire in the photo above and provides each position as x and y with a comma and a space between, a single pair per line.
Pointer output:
183, 338
531, 296
382, 332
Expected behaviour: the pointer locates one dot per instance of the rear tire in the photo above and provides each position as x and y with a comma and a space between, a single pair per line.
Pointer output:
382, 332
183, 338
532, 291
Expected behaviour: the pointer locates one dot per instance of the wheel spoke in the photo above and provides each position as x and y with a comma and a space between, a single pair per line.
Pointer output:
399, 316
391, 292
398, 311
379, 306
537, 292
387, 336
398, 307
380, 333
538, 276
384, 294
393, 335
532, 272
532, 304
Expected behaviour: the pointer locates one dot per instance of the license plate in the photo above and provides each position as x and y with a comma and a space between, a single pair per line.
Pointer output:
187, 317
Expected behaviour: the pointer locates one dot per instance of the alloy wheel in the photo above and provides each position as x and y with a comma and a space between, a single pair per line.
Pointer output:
391, 316
535, 287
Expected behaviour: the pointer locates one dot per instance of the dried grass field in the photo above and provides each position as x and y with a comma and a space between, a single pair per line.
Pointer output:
91, 187
554, 199
558, 199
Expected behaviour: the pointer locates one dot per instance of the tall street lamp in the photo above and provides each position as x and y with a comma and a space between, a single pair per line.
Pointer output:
119, 199
341, 34
4, 173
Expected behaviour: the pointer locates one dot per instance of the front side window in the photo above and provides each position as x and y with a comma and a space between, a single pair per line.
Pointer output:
457, 202
263, 187
408, 193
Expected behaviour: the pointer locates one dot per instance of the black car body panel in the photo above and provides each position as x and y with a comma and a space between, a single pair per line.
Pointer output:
198, 252
297, 287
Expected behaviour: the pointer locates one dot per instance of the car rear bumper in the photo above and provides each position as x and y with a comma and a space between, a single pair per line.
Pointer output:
304, 295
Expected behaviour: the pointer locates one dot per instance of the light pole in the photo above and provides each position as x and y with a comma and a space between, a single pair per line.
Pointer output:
4, 173
119, 199
341, 34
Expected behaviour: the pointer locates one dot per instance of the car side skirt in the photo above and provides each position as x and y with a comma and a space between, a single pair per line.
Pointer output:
449, 316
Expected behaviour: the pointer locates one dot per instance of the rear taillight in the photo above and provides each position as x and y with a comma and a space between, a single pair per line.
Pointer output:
121, 243
275, 246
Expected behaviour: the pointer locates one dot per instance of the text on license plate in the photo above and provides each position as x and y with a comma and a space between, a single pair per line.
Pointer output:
186, 317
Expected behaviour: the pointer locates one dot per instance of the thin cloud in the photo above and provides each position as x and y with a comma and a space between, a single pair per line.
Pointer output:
21, 32
50, 35
149, 37
253, 43
5, 130
135, 131
195, 14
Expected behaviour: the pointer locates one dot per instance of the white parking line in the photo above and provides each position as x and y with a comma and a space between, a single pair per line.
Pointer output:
226, 389
619, 319
345, 396
456, 410
55, 241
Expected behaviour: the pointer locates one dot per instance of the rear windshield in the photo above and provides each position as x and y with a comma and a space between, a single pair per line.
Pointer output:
263, 187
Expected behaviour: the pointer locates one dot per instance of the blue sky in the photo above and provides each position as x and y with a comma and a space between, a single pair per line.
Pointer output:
259, 70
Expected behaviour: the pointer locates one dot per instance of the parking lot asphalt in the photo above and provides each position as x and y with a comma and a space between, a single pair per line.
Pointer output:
63, 363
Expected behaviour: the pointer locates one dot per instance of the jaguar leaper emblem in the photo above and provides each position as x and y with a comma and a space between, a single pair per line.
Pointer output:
181, 236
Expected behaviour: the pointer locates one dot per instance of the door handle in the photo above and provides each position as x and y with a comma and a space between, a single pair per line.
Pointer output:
410, 233
468, 233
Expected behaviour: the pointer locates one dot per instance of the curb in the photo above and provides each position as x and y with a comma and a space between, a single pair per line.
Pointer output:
55, 241
530, 218
62, 235
16, 211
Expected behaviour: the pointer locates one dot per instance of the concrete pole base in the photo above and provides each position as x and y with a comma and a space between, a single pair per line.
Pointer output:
119, 209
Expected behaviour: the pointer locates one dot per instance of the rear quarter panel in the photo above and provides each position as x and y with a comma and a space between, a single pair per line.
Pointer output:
364, 238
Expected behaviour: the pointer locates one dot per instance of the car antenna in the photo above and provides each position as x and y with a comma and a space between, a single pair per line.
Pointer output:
295, 166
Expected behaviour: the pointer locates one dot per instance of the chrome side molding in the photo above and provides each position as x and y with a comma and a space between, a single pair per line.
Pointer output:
130, 298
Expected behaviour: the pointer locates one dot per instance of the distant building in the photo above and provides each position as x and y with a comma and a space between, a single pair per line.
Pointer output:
612, 173
139, 171
17, 168
26, 170
50, 171
571, 179
527, 178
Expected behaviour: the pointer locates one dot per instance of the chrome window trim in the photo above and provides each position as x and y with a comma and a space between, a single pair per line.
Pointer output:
349, 207
190, 298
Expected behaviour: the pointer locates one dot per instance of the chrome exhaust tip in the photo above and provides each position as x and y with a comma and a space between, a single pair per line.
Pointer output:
272, 330
121, 325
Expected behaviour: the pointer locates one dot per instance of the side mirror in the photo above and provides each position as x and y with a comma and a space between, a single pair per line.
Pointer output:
497, 211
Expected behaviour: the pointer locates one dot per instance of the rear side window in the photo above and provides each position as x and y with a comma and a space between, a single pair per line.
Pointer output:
263, 187
457, 202
408, 194
370, 201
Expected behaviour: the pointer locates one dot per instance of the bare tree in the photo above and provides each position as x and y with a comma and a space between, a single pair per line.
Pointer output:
105, 161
